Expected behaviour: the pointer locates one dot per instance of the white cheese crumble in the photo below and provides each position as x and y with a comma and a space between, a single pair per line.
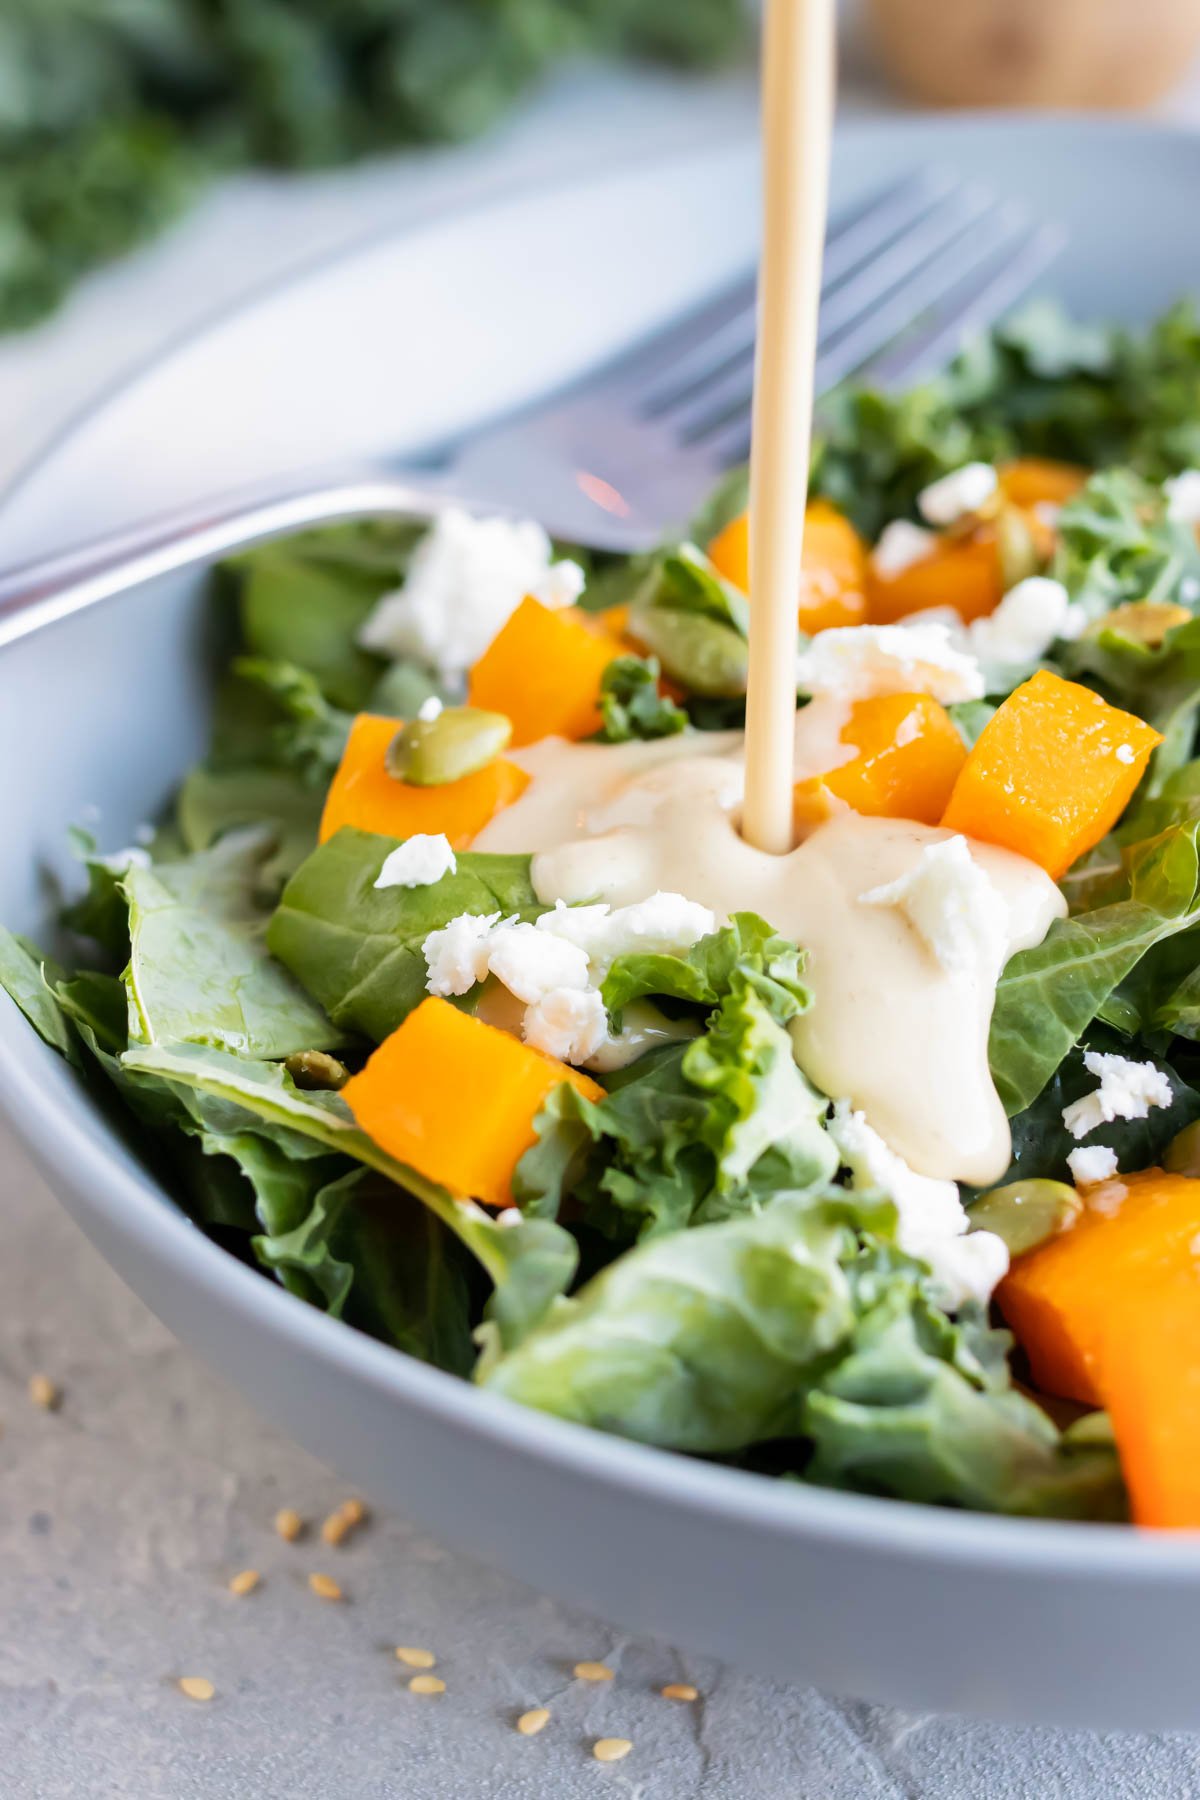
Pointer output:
569, 1023
466, 579
134, 856
456, 954
418, 862
858, 661
429, 710
1023, 626
1089, 1166
931, 1219
1127, 1090
1125, 753
556, 966
1183, 497
952, 904
958, 494
901, 544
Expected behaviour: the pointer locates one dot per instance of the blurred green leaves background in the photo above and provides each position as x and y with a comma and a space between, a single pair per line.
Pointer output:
114, 113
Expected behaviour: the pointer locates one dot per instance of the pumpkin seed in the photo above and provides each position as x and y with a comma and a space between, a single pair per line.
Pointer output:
313, 1069
703, 656
1026, 1213
432, 752
1145, 622
1183, 1152
1016, 547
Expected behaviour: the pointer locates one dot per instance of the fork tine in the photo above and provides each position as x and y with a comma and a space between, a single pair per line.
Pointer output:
985, 298
989, 279
707, 402
724, 323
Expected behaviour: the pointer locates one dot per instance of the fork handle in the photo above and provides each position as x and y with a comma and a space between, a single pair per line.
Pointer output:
49, 588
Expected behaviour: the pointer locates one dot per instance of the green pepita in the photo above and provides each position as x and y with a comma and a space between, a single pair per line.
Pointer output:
1183, 1152
703, 656
462, 739
1026, 1213
316, 1069
1015, 546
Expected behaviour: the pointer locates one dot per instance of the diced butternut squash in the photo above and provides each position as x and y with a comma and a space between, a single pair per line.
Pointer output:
543, 668
1149, 1374
963, 573
1061, 1299
1051, 772
909, 754
834, 579
455, 1099
1108, 1313
364, 794
1034, 480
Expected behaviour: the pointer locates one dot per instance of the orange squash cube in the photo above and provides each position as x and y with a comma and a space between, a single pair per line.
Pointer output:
455, 1099
834, 566
1034, 480
909, 755
1062, 1298
543, 668
362, 792
1051, 772
962, 573
1149, 1374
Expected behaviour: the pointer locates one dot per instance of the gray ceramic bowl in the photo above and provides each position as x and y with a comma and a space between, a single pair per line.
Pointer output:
918, 1607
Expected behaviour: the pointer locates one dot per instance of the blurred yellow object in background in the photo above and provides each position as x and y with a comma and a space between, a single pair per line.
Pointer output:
1074, 53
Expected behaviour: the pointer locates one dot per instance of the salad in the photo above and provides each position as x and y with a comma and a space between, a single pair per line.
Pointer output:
446, 991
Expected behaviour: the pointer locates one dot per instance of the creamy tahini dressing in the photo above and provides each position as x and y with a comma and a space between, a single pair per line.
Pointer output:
890, 1028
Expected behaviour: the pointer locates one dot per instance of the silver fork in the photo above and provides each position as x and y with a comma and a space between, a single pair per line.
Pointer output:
626, 453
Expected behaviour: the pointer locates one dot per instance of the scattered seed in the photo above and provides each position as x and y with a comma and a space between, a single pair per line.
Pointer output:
196, 1687
680, 1690
246, 1582
416, 1659
342, 1520
334, 1529
45, 1393
325, 1587
611, 1749
426, 1684
593, 1671
288, 1524
533, 1721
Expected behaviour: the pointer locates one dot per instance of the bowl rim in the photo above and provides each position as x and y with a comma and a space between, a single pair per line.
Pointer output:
62, 1139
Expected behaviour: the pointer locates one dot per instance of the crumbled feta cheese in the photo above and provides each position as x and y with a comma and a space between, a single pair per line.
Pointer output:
956, 495
1183, 497
429, 710
556, 967
857, 661
456, 955
1125, 753
931, 1220
466, 578
952, 904
1127, 1090
512, 1215
134, 856
901, 544
569, 1023
1025, 624
418, 862
532, 963
665, 924
1091, 1166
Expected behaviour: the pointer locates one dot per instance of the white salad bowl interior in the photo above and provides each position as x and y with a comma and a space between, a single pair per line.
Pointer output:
382, 351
